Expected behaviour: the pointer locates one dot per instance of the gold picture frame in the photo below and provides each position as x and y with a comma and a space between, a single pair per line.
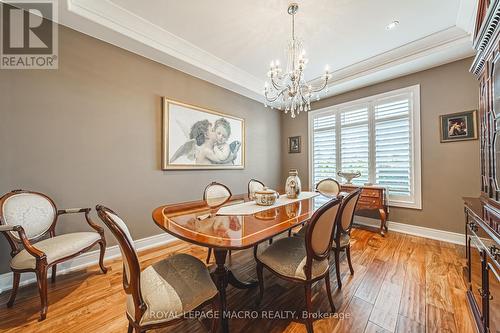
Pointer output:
189, 132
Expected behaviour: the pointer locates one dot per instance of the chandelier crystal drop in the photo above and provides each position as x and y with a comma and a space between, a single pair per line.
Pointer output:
287, 89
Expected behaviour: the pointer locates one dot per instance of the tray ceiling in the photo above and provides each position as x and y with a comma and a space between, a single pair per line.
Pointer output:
231, 43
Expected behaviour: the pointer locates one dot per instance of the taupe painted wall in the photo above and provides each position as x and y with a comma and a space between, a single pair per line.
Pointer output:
449, 170
89, 133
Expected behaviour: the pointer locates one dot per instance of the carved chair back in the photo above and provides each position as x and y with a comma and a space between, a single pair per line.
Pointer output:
35, 212
216, 194
328, 186
346, 214
131, 266
254, 185
319, 234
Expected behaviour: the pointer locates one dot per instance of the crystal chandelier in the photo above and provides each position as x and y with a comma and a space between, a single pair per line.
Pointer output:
288, 90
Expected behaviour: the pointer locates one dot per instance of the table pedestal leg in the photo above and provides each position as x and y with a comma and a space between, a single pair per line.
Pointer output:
239, 284
223, 277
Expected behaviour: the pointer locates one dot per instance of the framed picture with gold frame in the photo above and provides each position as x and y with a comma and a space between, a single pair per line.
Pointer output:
458, 126
195, 138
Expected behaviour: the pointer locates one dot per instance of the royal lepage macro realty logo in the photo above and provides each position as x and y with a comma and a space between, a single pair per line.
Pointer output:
29, 35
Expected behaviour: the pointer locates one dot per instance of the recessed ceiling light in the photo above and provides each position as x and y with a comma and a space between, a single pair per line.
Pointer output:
392, 25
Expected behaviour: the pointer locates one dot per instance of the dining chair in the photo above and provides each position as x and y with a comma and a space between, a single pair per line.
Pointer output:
25, 218
162, 293
342, 238
215, 195
254, 185
328, 186
303, 260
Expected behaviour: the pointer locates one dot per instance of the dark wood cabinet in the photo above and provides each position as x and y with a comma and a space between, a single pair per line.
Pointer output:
483, 214
483, 266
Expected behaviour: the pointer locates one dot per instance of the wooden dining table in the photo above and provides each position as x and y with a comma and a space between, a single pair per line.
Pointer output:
198, 223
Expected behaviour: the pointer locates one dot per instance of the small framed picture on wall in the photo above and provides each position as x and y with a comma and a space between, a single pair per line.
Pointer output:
294, 144
458, 126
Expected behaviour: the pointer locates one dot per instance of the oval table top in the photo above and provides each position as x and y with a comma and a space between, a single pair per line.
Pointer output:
198, 223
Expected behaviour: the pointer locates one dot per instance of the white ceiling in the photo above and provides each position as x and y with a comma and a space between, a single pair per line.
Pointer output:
231, 43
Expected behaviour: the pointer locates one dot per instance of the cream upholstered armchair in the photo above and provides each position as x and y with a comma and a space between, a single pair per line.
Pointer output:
162, 293
25, 218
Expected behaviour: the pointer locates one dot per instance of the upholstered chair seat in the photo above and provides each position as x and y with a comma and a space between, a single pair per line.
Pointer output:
288, 256
55, 248
344, 241
171, 287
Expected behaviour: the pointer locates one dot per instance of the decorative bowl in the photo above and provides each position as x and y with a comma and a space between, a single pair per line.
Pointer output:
349, 176
265, 197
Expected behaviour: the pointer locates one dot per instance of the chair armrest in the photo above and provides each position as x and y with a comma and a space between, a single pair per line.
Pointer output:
73, 211
30, 248
87, 217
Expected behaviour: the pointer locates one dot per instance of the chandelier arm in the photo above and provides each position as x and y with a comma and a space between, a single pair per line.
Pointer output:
323, 86
275, 98
276, 85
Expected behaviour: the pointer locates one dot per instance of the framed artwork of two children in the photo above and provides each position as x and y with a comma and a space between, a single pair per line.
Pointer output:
199, 138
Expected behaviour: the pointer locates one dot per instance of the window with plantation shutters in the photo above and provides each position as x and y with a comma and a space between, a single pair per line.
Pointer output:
378, 136
325, 148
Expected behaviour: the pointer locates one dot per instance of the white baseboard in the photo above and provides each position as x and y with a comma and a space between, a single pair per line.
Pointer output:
87, 259
445, 236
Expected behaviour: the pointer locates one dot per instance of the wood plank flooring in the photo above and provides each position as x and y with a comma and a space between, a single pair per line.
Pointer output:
401, 283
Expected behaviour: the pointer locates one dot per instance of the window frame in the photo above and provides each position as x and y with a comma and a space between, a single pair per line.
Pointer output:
415, 201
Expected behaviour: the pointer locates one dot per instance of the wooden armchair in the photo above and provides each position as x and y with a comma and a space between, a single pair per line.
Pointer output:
25, 218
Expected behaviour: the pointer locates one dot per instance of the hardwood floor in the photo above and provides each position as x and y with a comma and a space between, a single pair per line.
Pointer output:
401, 283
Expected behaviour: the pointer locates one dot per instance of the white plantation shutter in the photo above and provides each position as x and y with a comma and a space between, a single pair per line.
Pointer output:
354, 145
324, 149
393, 165
378, 136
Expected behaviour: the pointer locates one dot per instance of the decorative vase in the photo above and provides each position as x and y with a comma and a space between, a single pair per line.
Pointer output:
349, 176
292, 186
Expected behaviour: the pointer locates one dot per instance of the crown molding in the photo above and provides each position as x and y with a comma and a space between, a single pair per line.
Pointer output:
125, 29
113, 24
442, 47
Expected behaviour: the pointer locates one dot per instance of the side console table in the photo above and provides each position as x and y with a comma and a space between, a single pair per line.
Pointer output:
372, 198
